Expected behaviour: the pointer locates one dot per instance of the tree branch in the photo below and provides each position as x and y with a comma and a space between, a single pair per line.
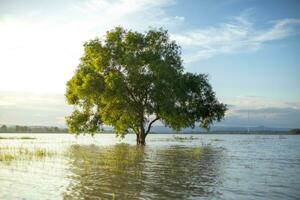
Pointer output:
150, 124
134, 129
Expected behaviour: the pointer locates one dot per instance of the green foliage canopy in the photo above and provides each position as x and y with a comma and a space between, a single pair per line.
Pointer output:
129, 80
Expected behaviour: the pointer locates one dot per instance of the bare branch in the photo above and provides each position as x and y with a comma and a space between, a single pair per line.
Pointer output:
150, 124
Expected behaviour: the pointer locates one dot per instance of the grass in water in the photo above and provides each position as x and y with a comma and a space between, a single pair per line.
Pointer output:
6, 157
17, 138
180, 138
217, 140
8, 154
40, 153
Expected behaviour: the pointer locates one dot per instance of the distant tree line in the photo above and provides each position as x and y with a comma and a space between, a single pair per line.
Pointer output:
295, 131
32, 129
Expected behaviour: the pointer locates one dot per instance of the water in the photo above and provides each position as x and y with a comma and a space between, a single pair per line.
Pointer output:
200, 167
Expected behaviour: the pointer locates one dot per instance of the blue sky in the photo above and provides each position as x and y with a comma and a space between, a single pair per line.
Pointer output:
272, 69
249, 49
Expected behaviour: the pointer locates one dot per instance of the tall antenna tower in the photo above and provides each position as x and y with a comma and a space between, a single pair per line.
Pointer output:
248, 122
264, 121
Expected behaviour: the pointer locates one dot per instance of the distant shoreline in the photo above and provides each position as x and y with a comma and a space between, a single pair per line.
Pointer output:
182, 133
14, 129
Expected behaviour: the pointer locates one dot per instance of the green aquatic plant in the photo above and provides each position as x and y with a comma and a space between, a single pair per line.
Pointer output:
40, 153
6, 157
181, 138
196, 151
216, 140
27, 138
8, 154
16, 138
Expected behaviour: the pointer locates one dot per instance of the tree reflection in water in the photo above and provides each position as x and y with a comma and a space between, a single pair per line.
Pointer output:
132, 172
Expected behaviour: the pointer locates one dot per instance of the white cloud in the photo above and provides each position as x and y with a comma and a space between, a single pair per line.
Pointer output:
261, 111
50, 109
39, 52
260, 108
239, 35
33, 109
257, 102
282, 28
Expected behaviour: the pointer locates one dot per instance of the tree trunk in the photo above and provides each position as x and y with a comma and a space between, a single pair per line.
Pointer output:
140, 139
141, 134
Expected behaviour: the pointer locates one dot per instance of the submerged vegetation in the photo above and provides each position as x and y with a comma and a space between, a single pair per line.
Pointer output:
17, 138
181, 138
8, 154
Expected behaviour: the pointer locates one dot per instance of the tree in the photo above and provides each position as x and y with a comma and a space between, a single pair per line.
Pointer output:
3, 129
130, 80
294, 131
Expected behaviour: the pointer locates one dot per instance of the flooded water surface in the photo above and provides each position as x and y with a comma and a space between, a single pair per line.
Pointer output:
61, 166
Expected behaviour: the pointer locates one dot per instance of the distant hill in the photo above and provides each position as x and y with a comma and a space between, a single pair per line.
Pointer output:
155, 129
162, 129
295, 131
31, 129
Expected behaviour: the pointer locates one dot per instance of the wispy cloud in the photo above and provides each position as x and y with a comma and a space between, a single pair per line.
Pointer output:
137, 14
237, 35
51, 109
269, 116
255, 111
39, 52
42, 46
33, 109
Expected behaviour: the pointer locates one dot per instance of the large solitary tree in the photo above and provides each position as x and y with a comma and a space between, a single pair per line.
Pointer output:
129, 80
